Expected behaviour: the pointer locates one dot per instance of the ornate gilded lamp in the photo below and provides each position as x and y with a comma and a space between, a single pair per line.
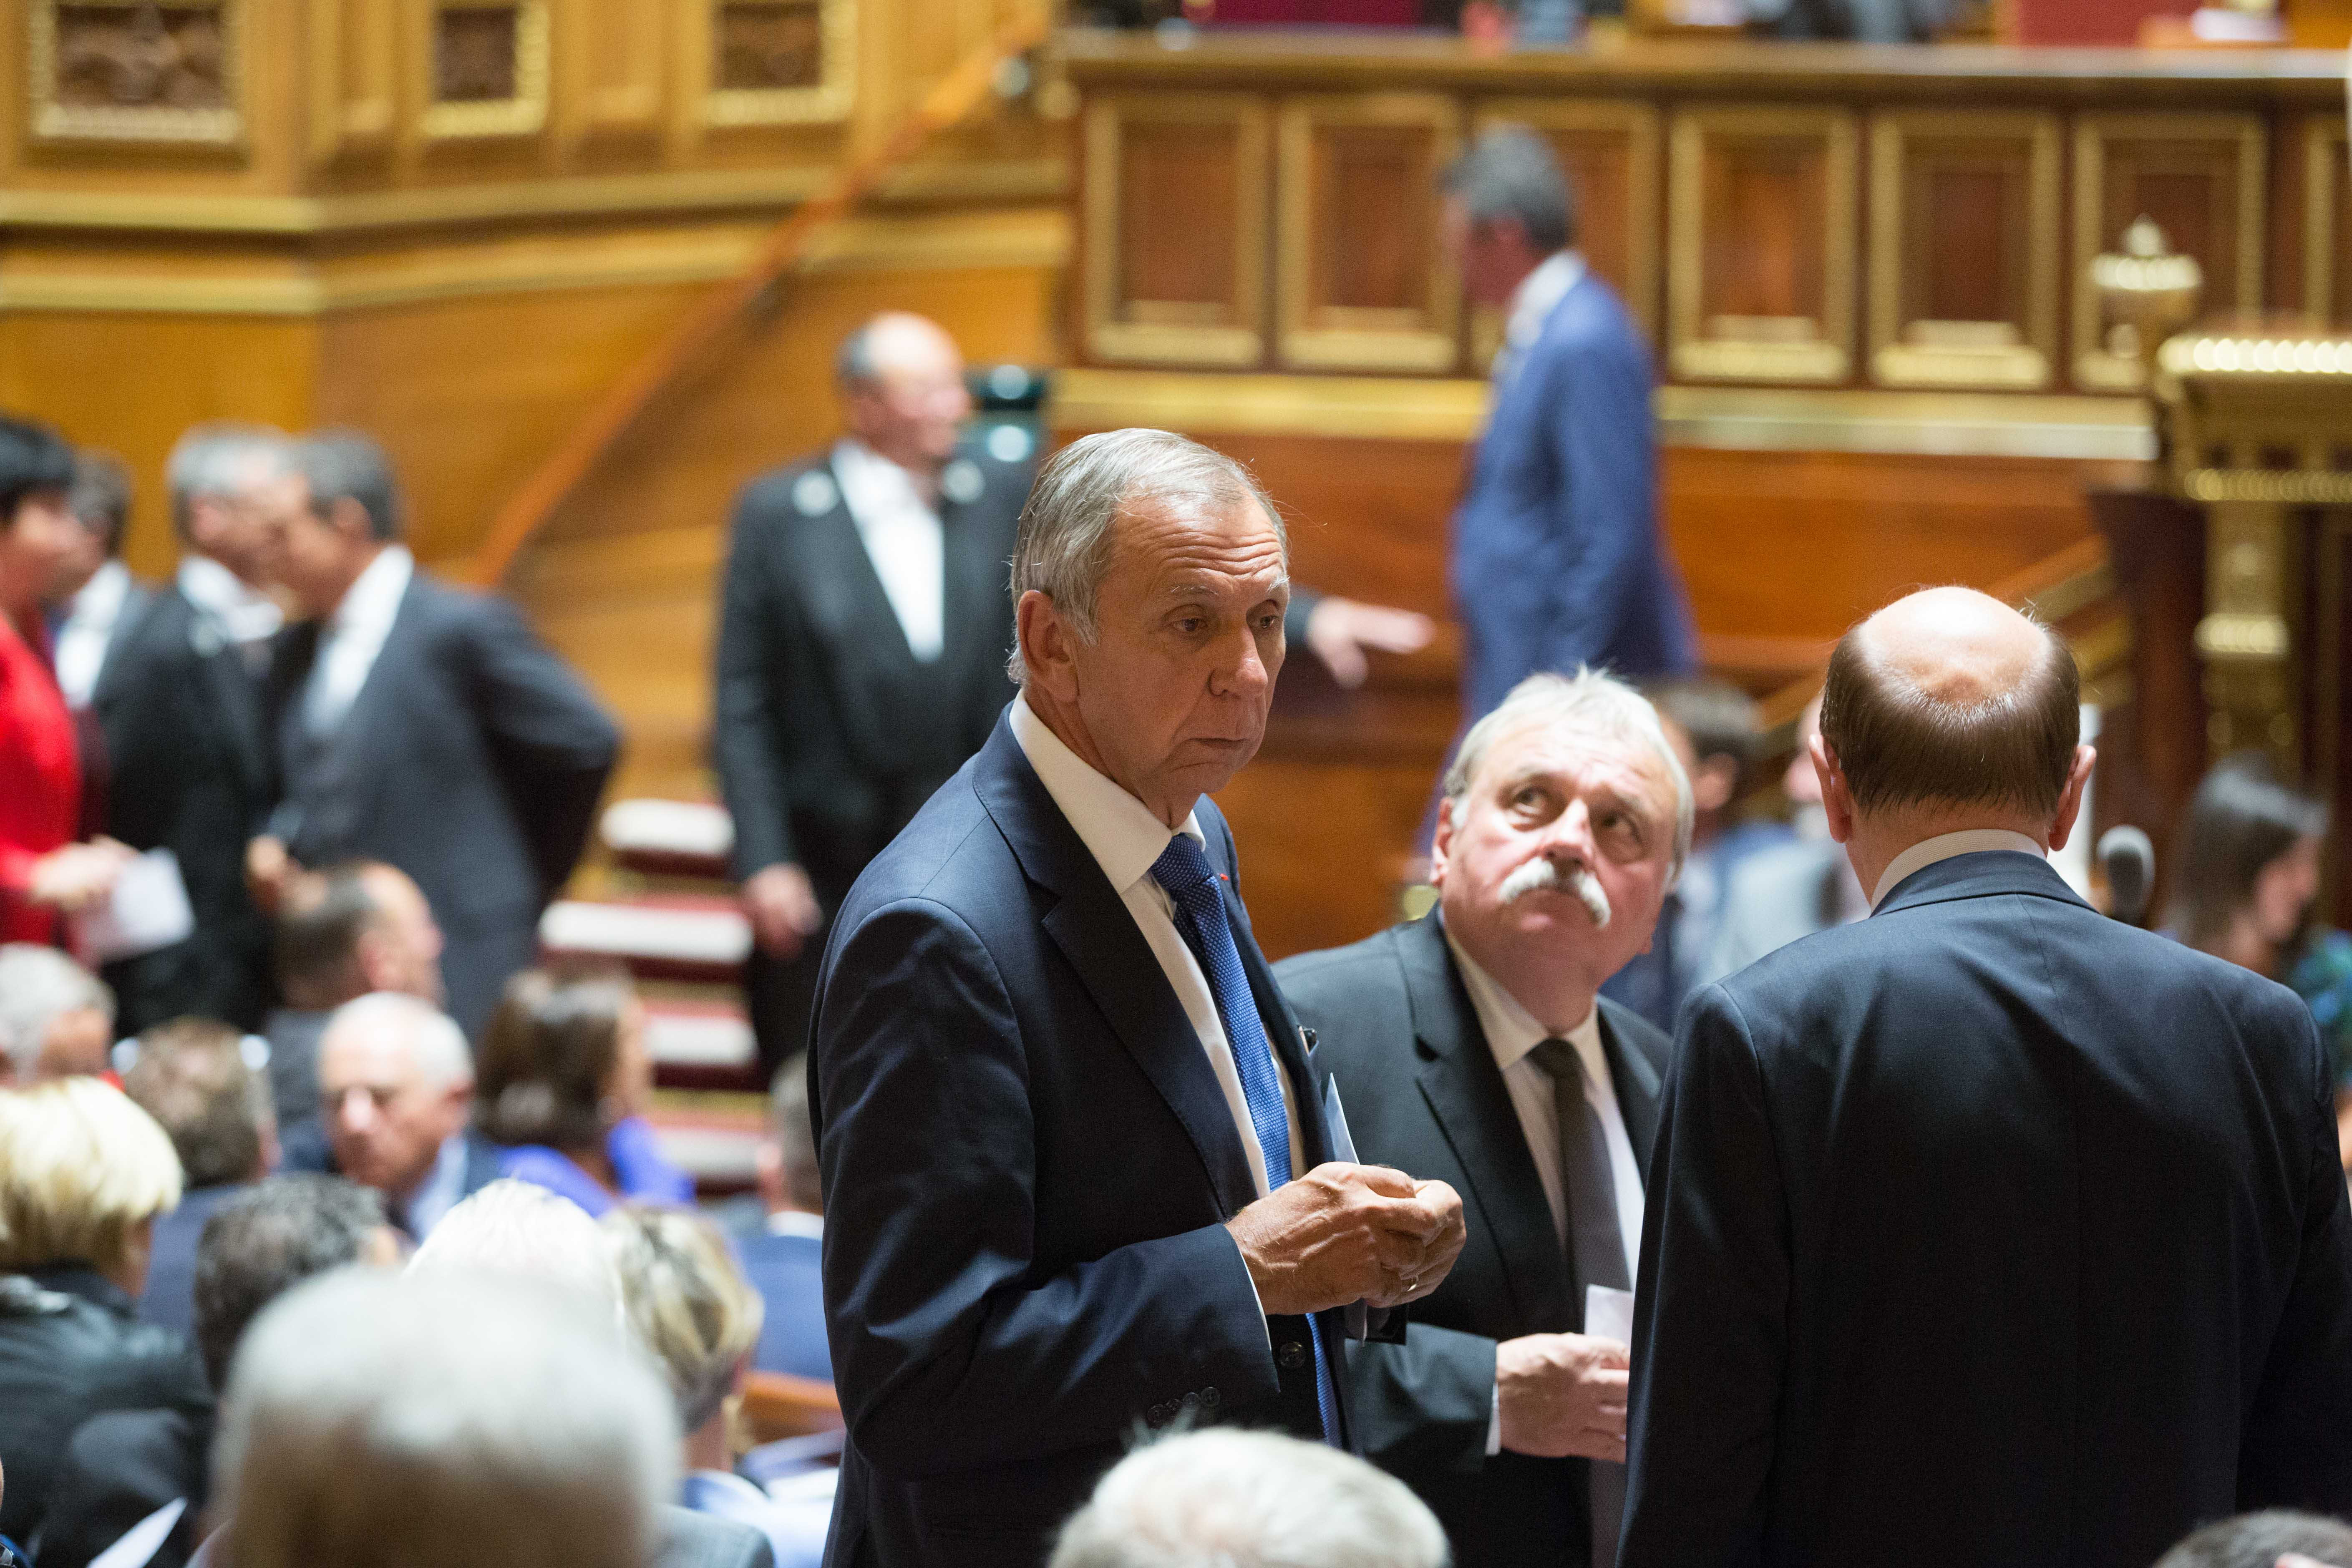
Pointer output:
2147, 293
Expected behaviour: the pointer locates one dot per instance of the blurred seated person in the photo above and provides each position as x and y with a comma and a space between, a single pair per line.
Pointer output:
699, 1318
395, 1096
44, 872
1231, 1499
783, 1249
550, 1450
1792, 888
1859, 21
1712, 726
2248, 882
342, 932
564, 1080
123, 1466
2274, 1538
191, 1077
98, 599
56, 1018
84, 1174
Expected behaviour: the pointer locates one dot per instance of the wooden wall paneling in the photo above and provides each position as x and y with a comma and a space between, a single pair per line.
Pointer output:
1173, 243
616, 67
93, 76
1964, 248
483, 70
2327, 221
354, 78
2201, 177
1762, 207
1610, 150
1361, 277
773, 62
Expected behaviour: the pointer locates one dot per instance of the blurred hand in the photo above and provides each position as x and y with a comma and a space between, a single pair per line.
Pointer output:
782, 907
1562, 1394
268, 869
1340, 630
77, 876
1346, 1233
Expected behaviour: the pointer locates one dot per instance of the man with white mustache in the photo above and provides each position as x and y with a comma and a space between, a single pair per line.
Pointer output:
1472, 1046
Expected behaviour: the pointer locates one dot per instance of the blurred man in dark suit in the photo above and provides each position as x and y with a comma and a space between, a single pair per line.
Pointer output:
1060, 1103
1556, 558
1986, 1224
1472, 1045
101, 600
422, 726
191, 1077
341, 933
180, 710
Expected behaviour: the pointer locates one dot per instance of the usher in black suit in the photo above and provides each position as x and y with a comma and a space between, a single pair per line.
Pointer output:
829, 734
1393, 1024
471, 759
1987, 1230
182, 715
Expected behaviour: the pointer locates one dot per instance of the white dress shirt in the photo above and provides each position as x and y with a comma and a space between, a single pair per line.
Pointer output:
440, 1189
89, 627
1943, 846
903, 538
353, 636
240, 614
796, 1222
1532, 303
1126, 840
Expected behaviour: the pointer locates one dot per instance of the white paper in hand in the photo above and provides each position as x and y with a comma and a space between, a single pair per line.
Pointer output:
1609, 1313
148, 911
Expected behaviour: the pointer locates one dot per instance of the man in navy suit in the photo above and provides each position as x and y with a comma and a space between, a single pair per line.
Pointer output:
1985, 1226
1556, 558
1059, 1102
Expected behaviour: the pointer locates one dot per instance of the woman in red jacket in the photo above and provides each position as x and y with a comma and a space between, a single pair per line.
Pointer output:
42, 871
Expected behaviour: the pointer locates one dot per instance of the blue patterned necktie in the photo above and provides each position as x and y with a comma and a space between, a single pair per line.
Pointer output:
1182, 870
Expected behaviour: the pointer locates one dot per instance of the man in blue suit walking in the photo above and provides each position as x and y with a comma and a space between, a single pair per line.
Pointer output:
1556, 558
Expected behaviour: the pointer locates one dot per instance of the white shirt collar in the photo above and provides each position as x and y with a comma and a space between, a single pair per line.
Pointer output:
1119, 830
249, 614
1511, 1030
100, 600
871, 482
373, 598
1943, 846
796, 1222
443, 1184
1539, 293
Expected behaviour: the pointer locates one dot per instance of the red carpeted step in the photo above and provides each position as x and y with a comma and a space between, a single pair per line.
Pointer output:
665, 937
701, 1043
668, 837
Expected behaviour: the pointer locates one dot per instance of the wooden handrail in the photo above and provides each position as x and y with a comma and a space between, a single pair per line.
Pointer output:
954, 97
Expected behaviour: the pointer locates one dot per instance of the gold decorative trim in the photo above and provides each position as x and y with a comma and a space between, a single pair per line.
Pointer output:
2021, 367
524, 114
1698, 356
1122, 332
50, 120
1644, 129
1361, 408
2324, 153
2095, 368
831, 99
341, 125
1423, 338
2272, 487
2218, 356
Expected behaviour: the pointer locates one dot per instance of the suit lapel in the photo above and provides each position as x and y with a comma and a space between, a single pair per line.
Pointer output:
1637, 1084
842, 590
1466, 1093
1091, 925
220, 671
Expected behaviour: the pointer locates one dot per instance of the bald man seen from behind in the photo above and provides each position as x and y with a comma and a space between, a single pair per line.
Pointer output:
1985, 1230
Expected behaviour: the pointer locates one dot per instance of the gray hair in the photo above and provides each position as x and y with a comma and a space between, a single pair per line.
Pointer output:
1593, 704
432, 1036
1228, 1499
441, 1421
218, 458
345, 465
37, 985
514, 1228
1064, 548
1510, 172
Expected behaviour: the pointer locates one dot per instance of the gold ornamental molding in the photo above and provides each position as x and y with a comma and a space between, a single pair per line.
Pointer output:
123, 70
487, 68
737, 93
2324, 150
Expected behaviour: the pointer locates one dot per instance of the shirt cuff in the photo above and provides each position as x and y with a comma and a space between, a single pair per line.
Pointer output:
1495, 1424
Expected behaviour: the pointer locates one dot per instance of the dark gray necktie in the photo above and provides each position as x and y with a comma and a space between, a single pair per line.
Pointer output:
1596, 1245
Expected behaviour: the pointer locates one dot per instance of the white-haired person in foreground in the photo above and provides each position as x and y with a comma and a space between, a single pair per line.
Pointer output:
1473, 1045
451, 1418
1232, 1499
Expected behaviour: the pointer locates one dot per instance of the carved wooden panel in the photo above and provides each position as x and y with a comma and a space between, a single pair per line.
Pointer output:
778, 62
128, 70
1610, 152
1760, 243
1964, 248
1175, 229
1362, 280
2199, 176
486, 68
2327, 221
354, 77
619, 53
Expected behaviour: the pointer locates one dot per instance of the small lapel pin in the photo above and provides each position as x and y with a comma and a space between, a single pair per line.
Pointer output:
814, 493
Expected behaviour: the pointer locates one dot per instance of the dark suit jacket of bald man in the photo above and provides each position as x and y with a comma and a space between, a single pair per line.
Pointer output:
1987, 1230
